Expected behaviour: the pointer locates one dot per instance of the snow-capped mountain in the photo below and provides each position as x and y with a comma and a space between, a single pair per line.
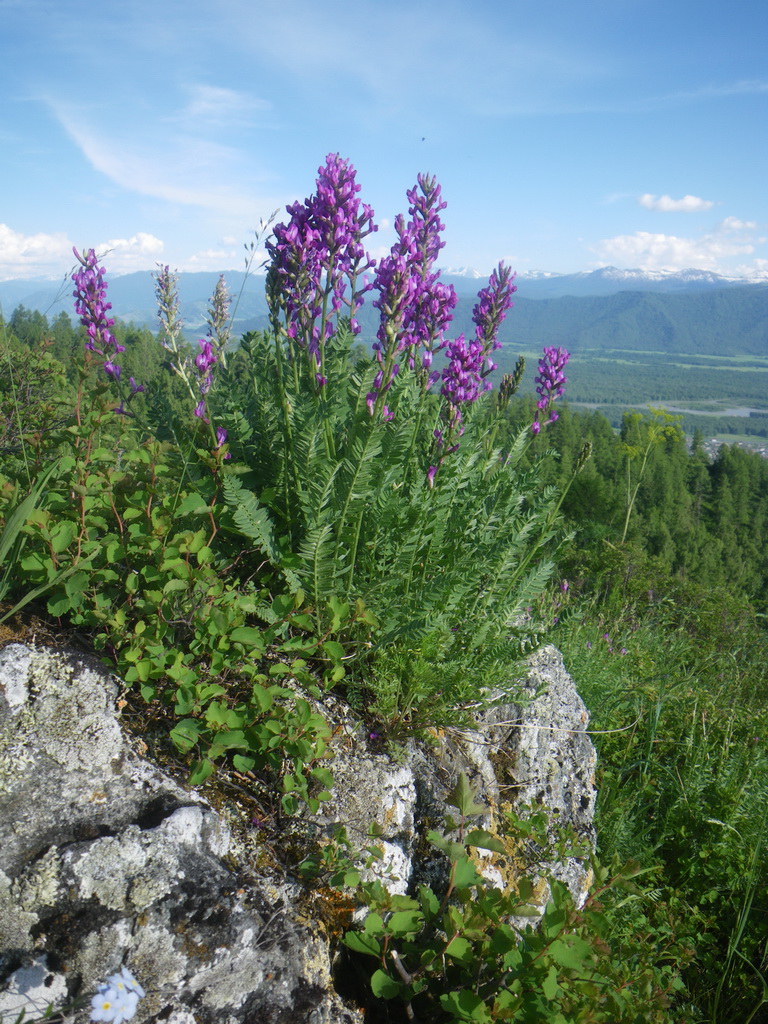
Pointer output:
133, 298
610, 280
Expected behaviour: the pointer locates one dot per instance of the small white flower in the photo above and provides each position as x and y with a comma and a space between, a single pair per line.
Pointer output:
117, 998
125, 981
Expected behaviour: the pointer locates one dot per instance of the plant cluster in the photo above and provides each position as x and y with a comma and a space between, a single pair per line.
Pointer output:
306, 519
471, 951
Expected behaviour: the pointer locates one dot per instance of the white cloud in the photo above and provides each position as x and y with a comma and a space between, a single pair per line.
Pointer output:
688, 204
124, 255
140, 244
734, 224
744, 87
712, 251
214, 259
32, 255
50, 255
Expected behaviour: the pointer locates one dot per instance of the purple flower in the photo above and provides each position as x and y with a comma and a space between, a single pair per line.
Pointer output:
92, 307
550, 384
317, 257
205, 360
221, 437
462, 377
489, 314
415, 307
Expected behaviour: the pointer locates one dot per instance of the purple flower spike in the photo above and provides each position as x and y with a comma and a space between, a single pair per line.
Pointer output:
493, 303
316, 255
92, 307
550, 384
415, 307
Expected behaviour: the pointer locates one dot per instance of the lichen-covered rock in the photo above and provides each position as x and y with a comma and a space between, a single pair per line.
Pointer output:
105, 861
533, 752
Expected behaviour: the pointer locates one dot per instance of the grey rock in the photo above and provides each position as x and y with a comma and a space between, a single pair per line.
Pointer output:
106, 861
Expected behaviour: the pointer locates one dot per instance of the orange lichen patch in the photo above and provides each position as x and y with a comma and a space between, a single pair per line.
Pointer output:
331, 909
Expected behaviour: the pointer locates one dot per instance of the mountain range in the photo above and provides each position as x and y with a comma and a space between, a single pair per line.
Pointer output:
685, 311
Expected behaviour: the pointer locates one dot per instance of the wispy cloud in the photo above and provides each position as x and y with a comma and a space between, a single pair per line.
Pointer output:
181, 168
214, 106
744, 87
666, 204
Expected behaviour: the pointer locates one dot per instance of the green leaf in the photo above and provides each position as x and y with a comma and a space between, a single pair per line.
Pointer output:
373, 924
58, 606
186, 734
465, 874
302, 621
248, 635
362, 943
226, 741
200, 772
173, 586
62, 535
459, 948
451, 849
462, 797
384, 987
483, 840
405, 922
323, 776
571, 951
549, 986
77, 584
262, 697
334, 650
465, 1005
192, 504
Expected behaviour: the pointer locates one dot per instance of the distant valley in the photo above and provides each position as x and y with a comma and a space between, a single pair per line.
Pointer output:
692, 311
692, 341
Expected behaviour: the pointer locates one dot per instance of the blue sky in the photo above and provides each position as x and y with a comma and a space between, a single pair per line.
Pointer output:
566, 136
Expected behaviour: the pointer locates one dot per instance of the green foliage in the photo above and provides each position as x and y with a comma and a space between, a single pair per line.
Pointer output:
340, 503
467, 953
676, 677
120, 535
639, 436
